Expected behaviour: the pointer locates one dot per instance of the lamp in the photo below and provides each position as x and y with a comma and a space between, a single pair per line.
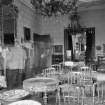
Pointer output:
54, 7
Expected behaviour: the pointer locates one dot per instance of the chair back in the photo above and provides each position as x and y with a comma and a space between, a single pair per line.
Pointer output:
49, 72
57, 67
86, 74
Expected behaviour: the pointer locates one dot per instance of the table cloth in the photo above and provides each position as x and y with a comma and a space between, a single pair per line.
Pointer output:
13, 95
41, 84
25, 102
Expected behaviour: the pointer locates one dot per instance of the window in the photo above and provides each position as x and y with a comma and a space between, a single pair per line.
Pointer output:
27, 34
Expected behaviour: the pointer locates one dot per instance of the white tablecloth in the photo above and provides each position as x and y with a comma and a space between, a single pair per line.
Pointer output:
26, 102
40, 84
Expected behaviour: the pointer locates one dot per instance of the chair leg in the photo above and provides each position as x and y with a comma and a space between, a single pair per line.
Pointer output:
83, 95
98, 95
45, 98
102, 95
58, 97
78, 97
64, 99
93, 94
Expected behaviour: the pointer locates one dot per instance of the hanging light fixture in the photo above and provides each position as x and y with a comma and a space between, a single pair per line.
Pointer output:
54, 7
75, 25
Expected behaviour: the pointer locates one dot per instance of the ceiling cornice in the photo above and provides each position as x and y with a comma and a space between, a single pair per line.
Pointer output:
93, 5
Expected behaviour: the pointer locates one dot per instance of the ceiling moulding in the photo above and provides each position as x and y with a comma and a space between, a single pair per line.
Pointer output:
83, 3
88, 0
92, 5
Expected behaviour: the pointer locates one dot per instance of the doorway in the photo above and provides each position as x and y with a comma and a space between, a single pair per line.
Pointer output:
42, 49
90, 43
68, 44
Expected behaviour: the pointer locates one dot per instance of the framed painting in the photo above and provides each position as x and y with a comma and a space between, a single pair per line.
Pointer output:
58, 49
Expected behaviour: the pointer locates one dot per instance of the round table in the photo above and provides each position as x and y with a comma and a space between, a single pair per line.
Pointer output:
14, 95
41, 84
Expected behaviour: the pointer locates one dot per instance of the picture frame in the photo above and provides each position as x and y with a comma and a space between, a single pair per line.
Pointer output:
58, 49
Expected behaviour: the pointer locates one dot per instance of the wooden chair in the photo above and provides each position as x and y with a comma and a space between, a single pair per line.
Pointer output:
57, 67
48, 72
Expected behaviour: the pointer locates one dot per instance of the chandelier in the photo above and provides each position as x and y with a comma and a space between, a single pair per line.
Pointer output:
54, 7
